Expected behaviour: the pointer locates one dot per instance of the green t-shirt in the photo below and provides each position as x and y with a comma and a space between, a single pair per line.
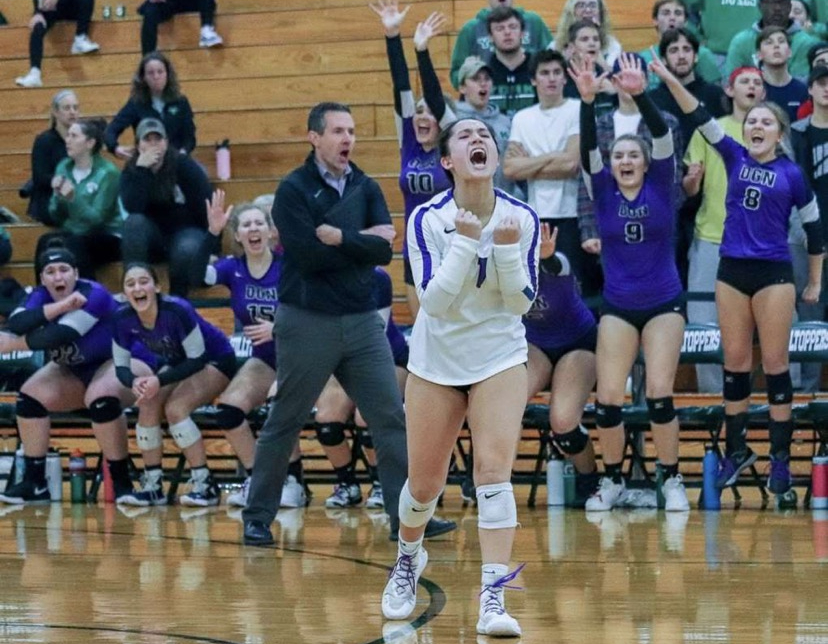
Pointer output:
711, 214
721, 20
743, 50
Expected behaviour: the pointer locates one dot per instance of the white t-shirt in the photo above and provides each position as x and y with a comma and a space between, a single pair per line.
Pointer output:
625, 123
542, 131
472, 293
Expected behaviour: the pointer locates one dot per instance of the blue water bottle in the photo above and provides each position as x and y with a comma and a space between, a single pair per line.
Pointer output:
711, 496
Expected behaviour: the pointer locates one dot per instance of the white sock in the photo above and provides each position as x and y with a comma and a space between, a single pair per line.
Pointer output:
492, 572
410, 548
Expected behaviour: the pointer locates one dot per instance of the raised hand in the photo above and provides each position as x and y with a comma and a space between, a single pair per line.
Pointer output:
427, 29
631, 77
217, 216
390, 15
582, 71
507, 231
548, 240
467, 224
658, 67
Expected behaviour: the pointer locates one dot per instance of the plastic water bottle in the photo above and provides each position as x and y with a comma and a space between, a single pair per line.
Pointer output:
555, 480
107, 12
711, 496
659, 486
77, 476
819, 483
223, 160
54, 475
570, 491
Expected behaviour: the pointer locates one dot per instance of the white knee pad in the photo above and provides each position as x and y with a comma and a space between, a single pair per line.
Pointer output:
185, 433
413, 513
148, 438
496, 506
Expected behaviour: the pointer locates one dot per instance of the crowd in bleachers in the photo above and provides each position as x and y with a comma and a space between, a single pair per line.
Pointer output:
697, 164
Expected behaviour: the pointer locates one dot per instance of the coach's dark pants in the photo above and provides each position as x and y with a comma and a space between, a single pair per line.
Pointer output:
312, 346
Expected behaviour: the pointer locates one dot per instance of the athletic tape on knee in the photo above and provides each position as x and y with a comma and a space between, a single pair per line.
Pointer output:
105, 409
572, 442
185, 433
148, 437
496, 506
414, 514
28, 407
607, 416
661, 410
366, 440
736, 385
229, 416
780, 388
330, 434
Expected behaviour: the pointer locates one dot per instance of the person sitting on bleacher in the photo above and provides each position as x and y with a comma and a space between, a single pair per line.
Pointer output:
84, 203
155, 94
164, 194
253, 279
157, 11
755, 282
562, 336
190, 363
334, 409
69, 318
48, 150
46, 14
643, 297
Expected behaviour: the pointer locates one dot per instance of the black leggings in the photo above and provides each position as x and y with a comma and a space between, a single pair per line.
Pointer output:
78, 10
144, 241
157, 12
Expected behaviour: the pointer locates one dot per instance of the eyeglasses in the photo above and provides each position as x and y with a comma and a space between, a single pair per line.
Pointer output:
586, 4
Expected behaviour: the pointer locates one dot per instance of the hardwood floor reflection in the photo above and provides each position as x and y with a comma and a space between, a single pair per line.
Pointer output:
168, 575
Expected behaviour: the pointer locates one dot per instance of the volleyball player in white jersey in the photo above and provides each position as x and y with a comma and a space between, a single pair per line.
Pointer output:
474, 256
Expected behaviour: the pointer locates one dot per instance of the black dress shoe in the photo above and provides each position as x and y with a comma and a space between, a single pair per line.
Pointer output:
256, 533
434, 528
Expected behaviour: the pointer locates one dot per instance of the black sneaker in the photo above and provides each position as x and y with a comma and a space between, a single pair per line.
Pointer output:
203, 493
26, 492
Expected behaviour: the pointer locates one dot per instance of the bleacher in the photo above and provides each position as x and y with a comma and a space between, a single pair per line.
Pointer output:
280, 57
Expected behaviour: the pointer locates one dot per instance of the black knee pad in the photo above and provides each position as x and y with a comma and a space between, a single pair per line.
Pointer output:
736, 385
28, 407
780, 388
105, 409
661, 410
366, 440
330, 434
607, 416
572, 442
229, 416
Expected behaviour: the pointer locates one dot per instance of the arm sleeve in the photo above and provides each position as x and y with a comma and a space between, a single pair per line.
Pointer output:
122, 120
431, 88
28, 317
590, 154
202, 258
195, 351
517, 269
121, 358
662, 137
51, 336
438, 280
806, 204
399, 71
188, 129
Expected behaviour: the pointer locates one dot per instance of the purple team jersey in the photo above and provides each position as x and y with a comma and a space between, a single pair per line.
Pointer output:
165, 341
558, 316
637, 238
252, 298
93, 347
385, 299
421, 175
759, 203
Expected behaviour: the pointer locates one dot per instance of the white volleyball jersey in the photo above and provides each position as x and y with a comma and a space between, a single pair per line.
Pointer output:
472, 293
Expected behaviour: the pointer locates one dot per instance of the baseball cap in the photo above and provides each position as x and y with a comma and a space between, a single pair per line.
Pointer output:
148, 126
816, 50
820, 71
470, 67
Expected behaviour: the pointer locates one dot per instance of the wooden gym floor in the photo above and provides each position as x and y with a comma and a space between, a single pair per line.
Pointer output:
173, 576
